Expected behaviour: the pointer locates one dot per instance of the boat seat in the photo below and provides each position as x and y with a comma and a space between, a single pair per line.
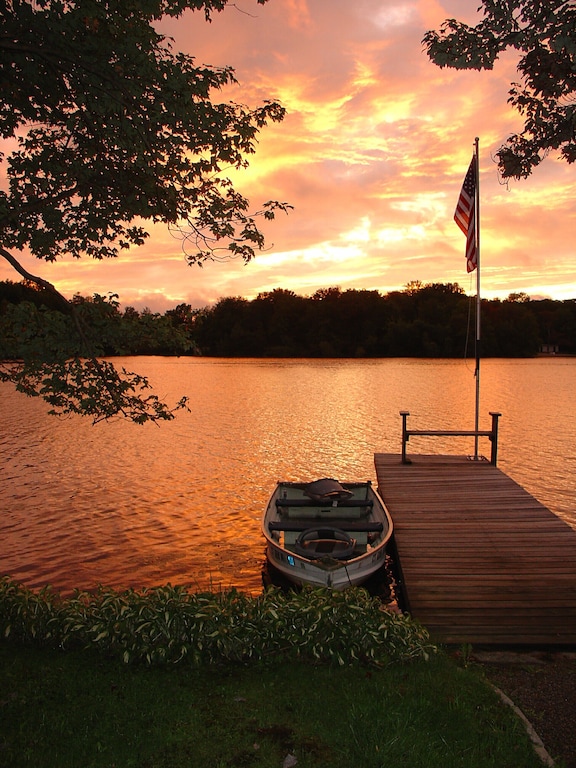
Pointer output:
354, 526
314, 503
308, 508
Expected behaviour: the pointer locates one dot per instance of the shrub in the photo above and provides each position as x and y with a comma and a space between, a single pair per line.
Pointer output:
169, 624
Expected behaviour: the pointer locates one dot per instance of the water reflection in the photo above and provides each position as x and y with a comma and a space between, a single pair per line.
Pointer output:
124, 505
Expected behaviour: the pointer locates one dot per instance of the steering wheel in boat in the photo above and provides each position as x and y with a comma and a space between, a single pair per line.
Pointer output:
317, 542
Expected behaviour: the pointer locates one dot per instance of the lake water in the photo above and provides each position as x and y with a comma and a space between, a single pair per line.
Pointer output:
126, 505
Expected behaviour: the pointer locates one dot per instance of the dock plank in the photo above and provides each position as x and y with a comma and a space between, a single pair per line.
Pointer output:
481, 560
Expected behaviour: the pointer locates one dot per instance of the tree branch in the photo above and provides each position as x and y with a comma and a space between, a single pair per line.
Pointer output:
39, 281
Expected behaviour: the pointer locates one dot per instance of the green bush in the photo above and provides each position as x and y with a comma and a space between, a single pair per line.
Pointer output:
169, 624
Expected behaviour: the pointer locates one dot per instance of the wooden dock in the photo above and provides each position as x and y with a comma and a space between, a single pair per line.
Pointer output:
481, 560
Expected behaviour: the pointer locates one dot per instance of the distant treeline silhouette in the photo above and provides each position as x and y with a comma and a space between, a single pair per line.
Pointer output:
423, 320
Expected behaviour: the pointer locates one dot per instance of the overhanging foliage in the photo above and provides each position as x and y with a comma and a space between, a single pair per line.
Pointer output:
544, 34
113, 128
104, 127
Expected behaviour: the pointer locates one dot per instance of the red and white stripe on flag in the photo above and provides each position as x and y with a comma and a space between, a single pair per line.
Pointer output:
465, 215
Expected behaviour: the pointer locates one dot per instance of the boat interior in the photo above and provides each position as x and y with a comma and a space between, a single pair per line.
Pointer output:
337, 527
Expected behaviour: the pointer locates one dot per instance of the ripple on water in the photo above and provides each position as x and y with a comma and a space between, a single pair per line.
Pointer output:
127, 505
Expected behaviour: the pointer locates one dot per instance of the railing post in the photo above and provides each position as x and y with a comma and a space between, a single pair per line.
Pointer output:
405, 435
494, 437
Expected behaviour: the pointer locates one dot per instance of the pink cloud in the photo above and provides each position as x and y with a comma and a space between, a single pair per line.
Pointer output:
372, 155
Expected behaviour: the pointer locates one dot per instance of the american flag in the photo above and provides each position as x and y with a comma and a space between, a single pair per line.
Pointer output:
465, 215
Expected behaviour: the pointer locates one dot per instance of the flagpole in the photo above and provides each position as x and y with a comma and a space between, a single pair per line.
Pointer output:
467, 217
477, 235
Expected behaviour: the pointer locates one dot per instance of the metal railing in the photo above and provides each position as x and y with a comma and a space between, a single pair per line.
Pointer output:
491, 434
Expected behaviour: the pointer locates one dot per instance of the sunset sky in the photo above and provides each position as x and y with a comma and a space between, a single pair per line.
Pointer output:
372, 155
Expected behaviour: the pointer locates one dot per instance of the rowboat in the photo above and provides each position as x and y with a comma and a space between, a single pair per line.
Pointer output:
326, 533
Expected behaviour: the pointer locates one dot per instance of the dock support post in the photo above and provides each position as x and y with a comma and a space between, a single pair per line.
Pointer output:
494, 437
405, 436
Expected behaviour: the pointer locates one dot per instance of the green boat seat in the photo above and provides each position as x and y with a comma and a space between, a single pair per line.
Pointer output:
308, 508
352, 526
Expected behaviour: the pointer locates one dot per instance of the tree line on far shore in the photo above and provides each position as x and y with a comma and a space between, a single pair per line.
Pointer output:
422, 320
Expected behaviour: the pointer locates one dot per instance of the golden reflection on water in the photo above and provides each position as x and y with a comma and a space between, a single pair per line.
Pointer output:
126, 505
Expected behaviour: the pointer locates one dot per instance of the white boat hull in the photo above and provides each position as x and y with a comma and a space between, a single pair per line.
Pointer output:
292, 517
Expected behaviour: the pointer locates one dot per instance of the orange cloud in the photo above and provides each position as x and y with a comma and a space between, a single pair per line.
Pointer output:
298, 14
372, 155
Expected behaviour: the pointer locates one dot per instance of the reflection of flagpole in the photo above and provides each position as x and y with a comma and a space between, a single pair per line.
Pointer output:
477, 238
467, 217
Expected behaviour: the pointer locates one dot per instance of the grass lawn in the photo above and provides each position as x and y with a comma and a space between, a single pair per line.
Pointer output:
81, 710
